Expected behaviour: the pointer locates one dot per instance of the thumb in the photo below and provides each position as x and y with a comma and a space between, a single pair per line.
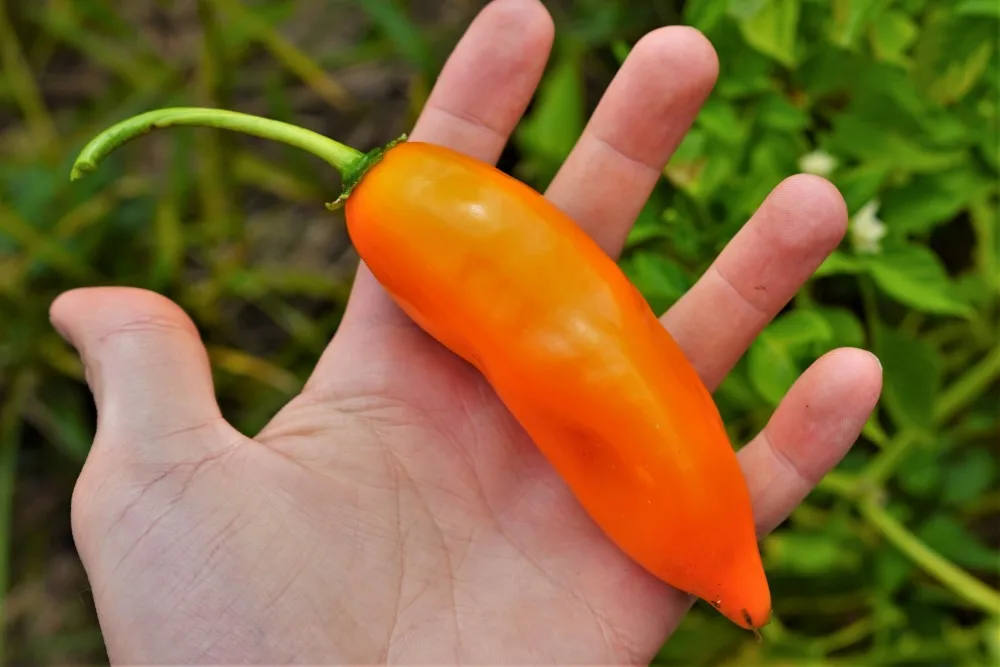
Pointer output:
146, 366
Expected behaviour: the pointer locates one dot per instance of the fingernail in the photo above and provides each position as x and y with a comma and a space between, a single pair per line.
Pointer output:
877, 360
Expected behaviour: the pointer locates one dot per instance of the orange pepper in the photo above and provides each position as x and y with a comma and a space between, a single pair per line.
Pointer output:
501, 277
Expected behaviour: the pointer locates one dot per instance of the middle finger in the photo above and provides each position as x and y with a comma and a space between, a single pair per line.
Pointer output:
639, 122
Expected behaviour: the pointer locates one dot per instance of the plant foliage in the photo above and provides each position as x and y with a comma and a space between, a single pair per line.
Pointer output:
892, 560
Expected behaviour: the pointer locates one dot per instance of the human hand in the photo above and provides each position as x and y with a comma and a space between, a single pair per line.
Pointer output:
394, 510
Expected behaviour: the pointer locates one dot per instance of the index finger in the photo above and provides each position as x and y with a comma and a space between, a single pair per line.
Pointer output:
486, 85
478, 99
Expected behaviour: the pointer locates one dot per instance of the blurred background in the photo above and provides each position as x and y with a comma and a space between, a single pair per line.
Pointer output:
893, 560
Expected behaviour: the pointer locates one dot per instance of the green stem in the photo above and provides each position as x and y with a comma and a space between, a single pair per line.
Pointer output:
351, 163
297, 62
956, 579
954, 398
884, 465
10, 439
968, 387
23, 87
846, 636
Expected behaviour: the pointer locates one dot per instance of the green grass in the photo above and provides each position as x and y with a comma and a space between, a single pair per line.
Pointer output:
893, 560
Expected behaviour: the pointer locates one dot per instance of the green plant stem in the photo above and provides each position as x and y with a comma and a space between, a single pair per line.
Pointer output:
341, 157
874, 432
884, 465
954, 398
984, 221
847, 635
249, 168
42, 247
22, 83
137, 71
950, 575
294, 60
351, 163
10, 435
869, 305
213, 152
970, 385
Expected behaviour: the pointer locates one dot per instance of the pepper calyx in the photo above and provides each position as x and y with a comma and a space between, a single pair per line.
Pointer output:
357, 172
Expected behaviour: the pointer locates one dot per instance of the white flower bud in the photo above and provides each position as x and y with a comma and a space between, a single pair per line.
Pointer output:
818, 162
867, 229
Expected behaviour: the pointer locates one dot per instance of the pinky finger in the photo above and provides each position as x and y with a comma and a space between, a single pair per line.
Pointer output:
814, 427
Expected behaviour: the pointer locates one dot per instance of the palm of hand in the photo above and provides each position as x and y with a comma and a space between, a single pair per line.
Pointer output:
404, 519
395, 510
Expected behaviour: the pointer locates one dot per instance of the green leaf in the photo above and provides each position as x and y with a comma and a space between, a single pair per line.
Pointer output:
838, 263
928, 200
914, 275
620, 50
950, 538
710, 175
745, 9
549, 132
657, 277
881, 145
851, 17
816, 553
911, 377
719, 119
861, 184
776, 112
771, 161
773, 357
978, 8
770, 27
969, 477
920, 473
892, 570
401, 31
892, 34
847, 329
986, 222
952, 54
649, 223
744, 71
686, 168
61, 418
890, 123
704, 14
735, 394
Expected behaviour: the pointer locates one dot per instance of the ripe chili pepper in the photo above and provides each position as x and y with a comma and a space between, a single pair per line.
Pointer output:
504, 279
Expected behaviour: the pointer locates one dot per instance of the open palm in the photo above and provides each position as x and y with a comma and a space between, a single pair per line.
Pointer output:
394, 510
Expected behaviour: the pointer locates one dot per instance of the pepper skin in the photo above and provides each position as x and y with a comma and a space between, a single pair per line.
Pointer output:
504, 279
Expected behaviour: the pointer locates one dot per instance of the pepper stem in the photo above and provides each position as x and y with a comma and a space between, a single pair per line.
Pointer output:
351, 163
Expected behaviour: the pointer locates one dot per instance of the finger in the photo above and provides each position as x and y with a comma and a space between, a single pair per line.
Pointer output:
759, 271
482, 91
813, 428
639, 122
146, 365
488, 81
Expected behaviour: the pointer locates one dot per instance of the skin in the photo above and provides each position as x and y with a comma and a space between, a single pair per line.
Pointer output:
574, 352
394, 510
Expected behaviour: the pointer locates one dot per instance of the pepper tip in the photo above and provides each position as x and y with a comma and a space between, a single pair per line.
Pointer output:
753, 628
